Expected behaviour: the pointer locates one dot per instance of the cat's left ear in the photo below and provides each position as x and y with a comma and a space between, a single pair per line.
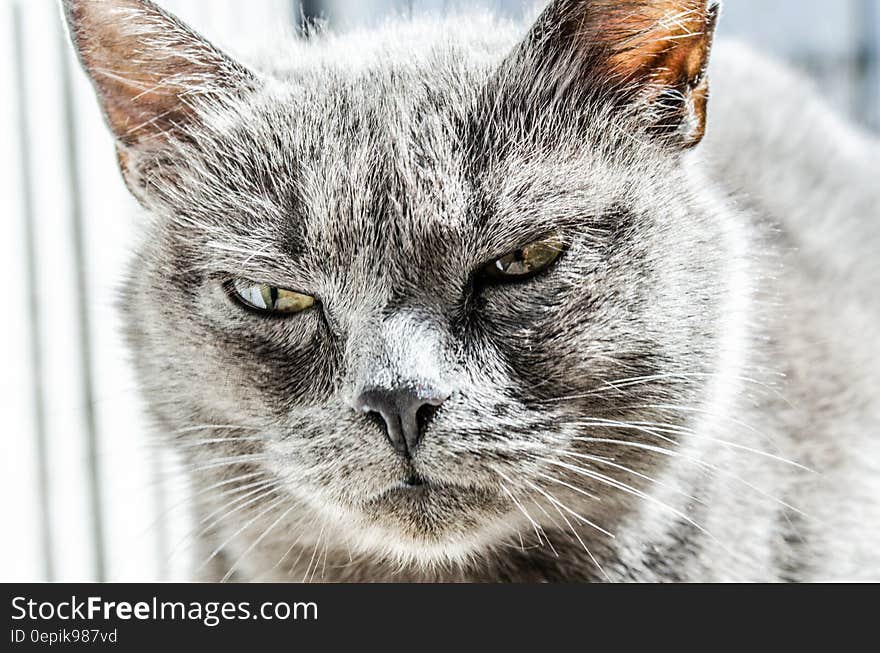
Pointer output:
648, 57
149, 70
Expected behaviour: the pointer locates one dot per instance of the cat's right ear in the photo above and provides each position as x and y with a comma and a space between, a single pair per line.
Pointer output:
151, 73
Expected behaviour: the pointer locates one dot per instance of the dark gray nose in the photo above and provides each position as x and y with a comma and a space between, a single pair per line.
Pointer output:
404, 411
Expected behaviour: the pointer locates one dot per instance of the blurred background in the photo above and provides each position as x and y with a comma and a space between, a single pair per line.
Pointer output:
84, 494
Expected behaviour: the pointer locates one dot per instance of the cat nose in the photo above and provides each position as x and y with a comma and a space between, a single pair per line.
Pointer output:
404, 411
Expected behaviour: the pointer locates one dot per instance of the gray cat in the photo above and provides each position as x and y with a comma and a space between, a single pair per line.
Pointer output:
461, 299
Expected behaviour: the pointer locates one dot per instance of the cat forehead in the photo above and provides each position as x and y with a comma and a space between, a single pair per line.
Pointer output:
386, 145
348, 159
418, 140
415, 161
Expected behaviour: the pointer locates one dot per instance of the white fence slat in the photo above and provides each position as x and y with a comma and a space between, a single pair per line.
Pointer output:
20, 511
68, 456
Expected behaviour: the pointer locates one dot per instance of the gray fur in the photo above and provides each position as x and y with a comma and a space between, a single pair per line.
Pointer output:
702, 360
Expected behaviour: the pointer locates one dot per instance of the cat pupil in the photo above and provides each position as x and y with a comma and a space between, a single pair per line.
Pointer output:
527, 260
267, 295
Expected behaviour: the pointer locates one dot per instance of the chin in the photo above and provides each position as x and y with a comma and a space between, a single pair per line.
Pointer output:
430, 525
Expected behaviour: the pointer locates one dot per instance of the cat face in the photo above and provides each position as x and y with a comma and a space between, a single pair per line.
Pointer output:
431, 298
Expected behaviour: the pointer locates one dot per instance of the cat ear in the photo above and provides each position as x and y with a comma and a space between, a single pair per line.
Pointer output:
148, 69
647, 55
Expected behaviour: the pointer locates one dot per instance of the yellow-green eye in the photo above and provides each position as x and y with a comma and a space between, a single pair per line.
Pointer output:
526, 261
269, 299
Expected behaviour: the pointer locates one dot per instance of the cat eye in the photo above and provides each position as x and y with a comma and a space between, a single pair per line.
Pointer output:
270, 300
525, 262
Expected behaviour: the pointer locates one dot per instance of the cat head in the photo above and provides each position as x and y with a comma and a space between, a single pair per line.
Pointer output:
438, 296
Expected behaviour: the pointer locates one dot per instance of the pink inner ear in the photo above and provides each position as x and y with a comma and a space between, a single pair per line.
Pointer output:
145, 65
140, 108
653, 47
666, 40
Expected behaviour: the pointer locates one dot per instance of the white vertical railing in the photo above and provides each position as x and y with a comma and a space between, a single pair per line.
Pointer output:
22, 393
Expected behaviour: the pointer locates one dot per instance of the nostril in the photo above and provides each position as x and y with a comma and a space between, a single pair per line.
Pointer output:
425, 415
376, 419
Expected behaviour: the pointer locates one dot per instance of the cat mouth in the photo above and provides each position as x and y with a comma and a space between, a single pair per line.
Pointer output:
411, 485
428, 519
411, 490
419, 492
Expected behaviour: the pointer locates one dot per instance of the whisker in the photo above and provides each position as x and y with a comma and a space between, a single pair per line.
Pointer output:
569, 486
227, 462
610, 463
534, 524
623, 487
254, 488
622, 425
669, 376
543, 530
577, 516
227, 509
208, 427
689, 433
293, 545
247, 524
256, 543
557, 505
308, 578
192, 496
706, 465
197, 444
